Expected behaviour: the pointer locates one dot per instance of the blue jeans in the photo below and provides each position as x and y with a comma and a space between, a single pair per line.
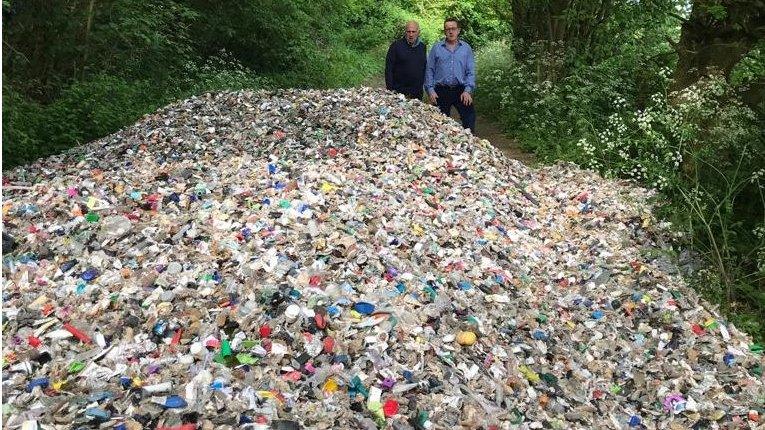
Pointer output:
450, 96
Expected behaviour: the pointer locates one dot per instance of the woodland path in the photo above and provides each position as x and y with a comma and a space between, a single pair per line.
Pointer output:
486, 128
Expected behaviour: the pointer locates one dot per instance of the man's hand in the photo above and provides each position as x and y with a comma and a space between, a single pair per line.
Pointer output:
433, 97
466, 98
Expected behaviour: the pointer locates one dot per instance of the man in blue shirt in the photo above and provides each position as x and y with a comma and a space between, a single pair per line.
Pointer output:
450, 75
405, 63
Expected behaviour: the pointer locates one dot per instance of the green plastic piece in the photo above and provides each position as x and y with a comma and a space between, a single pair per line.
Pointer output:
549, 378
757, 348
76, 366
225, 348
516, 417
757, 370
422, 418
244, 358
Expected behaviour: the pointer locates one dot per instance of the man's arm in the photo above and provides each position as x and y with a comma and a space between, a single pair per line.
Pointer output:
389, 60
430, 71
470, 72
424, 66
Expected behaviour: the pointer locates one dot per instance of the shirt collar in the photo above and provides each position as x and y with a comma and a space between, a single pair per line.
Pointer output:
443, 42
416, 42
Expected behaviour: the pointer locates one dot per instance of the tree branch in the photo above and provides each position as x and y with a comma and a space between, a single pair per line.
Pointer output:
678, 17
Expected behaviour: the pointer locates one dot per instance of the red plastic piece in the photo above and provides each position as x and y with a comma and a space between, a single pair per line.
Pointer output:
188, 426
265, 331
34, 342
176, 338
390, 408
698, 330
321, 321
82, 337
329, 344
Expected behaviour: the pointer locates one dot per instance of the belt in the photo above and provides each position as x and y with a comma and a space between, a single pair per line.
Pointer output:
450, 87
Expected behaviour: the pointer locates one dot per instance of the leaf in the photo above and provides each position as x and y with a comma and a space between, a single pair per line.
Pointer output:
717, 11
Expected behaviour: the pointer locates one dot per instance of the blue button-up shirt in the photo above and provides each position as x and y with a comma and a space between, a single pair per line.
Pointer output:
447, 67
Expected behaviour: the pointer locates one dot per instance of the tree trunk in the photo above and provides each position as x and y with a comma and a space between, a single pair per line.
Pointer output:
88, 25
716, 37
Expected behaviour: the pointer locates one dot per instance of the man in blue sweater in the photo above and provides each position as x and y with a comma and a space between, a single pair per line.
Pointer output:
450, 75
405, 63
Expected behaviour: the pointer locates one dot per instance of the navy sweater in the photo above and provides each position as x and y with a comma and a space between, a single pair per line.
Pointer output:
405, 67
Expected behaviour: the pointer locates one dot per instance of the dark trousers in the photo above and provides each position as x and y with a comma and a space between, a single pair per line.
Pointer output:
417, 95
450, 96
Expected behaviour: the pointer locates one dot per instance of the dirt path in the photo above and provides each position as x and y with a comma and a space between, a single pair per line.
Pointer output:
486, 128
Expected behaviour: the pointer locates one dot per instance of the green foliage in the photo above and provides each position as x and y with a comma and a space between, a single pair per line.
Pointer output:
751, 68
84, 111
717, 11
482, 21
219, 72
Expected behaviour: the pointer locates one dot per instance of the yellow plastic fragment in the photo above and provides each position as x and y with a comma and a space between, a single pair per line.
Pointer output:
529, 374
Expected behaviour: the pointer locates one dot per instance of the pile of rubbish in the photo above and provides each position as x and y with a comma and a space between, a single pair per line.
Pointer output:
347, 259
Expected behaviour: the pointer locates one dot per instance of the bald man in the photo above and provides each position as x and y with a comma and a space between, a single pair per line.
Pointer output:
405, 63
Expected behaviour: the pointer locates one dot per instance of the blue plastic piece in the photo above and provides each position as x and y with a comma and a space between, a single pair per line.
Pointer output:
89, 274
333, 310
729, 359
341, 358
464, 285
39, 382
126, 382
68, 265
98, 413
160, 327
100, 396
364, 308
174, 402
